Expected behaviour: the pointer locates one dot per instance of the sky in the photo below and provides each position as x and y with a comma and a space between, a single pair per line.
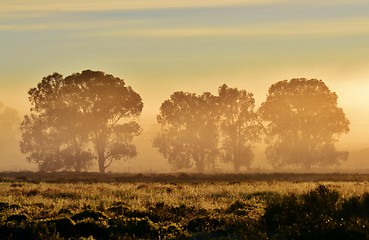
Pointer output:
159, 47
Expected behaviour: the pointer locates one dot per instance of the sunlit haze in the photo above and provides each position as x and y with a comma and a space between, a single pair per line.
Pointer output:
159, 47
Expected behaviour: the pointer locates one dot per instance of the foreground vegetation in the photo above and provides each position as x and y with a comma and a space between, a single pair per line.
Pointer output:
148, 207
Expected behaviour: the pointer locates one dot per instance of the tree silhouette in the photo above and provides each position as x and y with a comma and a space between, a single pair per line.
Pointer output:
188, 131
303, 124
73, 117
9, 127
239, 126
109, 107
53, 135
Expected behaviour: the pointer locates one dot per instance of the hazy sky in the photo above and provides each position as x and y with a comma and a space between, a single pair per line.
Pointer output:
162, 46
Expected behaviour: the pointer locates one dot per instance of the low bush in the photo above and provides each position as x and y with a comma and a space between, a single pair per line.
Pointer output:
318, 214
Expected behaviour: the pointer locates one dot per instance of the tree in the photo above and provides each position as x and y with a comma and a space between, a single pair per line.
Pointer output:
9, 137
83, 113
188, 131
303, 124
239, 126
53, 134
9, 124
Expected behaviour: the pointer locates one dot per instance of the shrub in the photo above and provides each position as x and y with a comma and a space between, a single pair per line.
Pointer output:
64, 226
204, 224
173, 231
17, 218
321, 200
315, 215
4, 205
134, 227
90, 227
238, 207
28, 230
89, 214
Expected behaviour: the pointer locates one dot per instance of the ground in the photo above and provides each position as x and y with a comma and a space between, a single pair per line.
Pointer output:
183, 206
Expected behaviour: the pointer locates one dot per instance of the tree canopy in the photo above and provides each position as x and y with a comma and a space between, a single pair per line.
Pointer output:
201, 129
9, 124
92, 115
75, 119
188, 136
239, 126
303, 124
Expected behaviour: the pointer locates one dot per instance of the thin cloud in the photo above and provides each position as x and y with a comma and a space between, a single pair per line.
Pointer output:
321, 28
11, 7
16, 6
69, 25
137, 29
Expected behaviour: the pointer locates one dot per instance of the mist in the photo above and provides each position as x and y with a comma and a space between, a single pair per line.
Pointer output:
149, 159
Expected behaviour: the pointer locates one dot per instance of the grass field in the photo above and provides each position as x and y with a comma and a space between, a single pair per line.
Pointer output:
183, 206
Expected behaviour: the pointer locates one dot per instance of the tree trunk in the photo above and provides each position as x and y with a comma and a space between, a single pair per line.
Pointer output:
100, 149
200, 166
236, 156
200, 163
78, 164
101, 159
236, 166
78, 159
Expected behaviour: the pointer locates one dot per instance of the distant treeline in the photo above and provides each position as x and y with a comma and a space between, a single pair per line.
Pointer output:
89, 116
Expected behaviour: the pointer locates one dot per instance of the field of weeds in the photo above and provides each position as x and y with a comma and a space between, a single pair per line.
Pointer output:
280, 206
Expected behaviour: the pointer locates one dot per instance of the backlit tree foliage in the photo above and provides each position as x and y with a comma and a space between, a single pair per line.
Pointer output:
188, 134
303, 124
9, 125
52, 136
83, 116
10, 156
199, 130
239, 126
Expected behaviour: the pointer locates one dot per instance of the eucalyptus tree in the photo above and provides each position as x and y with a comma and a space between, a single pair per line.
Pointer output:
9, 127
303, 124
110, 110
52, 134
239, 126
83, 116
9, 137
188, 135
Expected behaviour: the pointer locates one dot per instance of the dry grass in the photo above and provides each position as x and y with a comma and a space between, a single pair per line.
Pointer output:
52, 198
192, 204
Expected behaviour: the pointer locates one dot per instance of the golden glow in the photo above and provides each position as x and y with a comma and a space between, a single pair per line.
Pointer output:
159, 47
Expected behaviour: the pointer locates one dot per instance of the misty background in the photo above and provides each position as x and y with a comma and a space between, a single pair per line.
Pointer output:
149, 159
193, 46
